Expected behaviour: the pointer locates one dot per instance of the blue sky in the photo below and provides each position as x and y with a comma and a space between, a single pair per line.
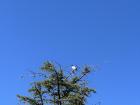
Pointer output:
100, 32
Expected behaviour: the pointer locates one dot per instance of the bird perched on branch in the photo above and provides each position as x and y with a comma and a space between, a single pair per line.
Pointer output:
74, 68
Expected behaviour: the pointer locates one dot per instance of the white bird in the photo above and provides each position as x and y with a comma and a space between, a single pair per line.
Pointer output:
74, 68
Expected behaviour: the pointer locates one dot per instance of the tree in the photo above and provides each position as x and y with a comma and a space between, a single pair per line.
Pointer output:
57, 87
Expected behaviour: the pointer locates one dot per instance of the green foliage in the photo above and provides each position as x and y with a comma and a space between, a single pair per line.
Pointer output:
59, 87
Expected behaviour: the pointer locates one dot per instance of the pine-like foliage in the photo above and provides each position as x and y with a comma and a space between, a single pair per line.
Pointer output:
57, 87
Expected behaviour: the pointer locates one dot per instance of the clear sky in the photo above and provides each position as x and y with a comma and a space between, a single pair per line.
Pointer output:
105, 33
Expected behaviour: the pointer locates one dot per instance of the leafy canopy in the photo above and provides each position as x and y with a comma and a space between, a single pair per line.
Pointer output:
58, 87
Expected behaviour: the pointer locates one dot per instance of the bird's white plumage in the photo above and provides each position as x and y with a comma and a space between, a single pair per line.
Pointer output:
74, 67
